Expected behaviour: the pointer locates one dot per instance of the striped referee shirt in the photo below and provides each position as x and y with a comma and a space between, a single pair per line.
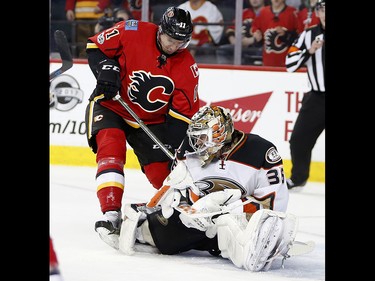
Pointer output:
298, 55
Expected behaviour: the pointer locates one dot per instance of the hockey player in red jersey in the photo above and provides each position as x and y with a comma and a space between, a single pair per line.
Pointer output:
226, 195
149, 66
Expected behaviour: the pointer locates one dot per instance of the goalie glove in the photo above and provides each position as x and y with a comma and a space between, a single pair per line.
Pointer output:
169, 202
180, 178
175, 186
227, 200
203, 213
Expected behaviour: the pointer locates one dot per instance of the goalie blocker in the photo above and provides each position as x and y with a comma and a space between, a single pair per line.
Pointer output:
251, 245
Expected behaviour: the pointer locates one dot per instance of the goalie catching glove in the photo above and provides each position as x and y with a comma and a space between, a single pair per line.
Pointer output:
203, 213
108, 81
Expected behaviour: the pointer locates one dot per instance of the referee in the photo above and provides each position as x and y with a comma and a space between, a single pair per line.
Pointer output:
308, 50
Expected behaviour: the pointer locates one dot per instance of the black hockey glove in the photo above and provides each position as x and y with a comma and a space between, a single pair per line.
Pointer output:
108, 81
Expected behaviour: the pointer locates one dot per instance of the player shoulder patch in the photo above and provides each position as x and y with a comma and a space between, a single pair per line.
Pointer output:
100, 38
272, 156
194, 70
131, 25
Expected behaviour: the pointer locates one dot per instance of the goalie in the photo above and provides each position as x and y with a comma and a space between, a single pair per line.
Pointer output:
226, 195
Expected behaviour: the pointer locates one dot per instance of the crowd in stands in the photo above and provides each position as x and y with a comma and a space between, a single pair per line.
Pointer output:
269, 27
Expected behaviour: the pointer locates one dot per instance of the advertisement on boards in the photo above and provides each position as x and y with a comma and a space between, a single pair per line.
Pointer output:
261, 102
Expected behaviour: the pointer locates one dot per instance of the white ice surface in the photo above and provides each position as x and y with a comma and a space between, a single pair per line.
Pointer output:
83, 256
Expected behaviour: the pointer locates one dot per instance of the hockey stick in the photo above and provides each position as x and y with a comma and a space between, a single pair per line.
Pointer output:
300, 248
144, 127
65, 54
192, 214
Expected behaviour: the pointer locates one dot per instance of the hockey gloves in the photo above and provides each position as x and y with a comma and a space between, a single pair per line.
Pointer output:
175, 186
108, 81
206, 210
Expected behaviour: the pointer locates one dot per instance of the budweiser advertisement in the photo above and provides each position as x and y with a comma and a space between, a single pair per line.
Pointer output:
261, 102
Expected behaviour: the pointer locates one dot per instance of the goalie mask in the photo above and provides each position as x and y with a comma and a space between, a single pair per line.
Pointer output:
210, 129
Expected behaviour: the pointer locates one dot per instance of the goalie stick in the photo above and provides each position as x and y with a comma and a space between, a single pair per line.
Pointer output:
300, 248
65, 54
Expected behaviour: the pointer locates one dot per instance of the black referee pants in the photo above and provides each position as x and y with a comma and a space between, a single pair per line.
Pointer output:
309, 124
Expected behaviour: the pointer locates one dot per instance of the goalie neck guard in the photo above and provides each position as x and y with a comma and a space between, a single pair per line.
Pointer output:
210, 129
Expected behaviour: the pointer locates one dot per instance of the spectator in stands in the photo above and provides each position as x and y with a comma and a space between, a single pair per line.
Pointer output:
307, 16
294, 3
83, 10
204, 37
251, 50
133, 6
112, 17
276, 26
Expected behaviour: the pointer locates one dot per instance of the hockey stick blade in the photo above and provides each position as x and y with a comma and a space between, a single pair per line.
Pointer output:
300, 248
65, 54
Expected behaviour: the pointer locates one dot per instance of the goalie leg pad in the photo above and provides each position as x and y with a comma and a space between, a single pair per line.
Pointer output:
263, 244
249, 244
230, 234
128, 230
286, 240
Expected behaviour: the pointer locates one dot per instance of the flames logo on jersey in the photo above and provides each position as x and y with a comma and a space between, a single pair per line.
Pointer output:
150, 92
272, 41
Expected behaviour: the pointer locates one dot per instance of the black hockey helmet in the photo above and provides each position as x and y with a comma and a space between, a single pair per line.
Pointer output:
177, 24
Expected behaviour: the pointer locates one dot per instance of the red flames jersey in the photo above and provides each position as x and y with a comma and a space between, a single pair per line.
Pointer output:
248, 16
307, 19
151, 90
274, 49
